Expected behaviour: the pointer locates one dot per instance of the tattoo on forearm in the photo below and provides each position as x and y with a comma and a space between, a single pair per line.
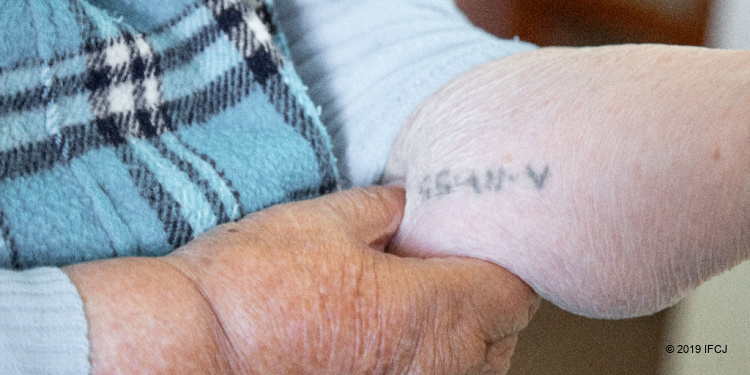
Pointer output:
448, 181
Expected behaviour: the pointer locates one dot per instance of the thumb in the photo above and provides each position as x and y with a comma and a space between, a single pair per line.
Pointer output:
370, 215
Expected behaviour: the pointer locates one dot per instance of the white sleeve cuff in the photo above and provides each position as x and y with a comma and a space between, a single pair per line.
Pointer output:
43, 328
369, 63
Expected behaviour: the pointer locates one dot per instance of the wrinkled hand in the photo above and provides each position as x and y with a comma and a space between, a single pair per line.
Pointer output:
304, 288
612, 180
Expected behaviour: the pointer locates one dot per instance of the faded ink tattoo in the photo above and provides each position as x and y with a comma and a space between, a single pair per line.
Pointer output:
448, 181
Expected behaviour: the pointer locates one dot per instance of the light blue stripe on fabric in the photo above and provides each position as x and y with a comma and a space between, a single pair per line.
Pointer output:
52, 124
76, 111
51, 221
206, 67
107, 26
70, 67
101, 207
269, 160
145, 15
231, 206
19, 129
182, 30
22, 128
18, 35
193, 205
68, 111
115, 181
27, 77
56, 26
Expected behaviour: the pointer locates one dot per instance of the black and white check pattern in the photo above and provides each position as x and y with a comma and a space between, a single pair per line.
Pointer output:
123, 77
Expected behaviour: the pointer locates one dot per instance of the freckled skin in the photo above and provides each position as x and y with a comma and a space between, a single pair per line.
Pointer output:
302, 288
630, 172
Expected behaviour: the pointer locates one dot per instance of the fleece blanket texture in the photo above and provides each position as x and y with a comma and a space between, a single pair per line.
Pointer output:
129, 127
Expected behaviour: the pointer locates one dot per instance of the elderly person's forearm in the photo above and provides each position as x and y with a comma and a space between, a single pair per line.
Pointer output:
613, 180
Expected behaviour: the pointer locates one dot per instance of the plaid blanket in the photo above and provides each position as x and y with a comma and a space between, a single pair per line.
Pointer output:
128, 127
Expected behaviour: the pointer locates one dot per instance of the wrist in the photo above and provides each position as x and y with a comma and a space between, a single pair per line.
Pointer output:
144, 316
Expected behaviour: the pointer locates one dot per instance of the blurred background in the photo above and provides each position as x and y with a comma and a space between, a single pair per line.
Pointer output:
718, 313
593, 22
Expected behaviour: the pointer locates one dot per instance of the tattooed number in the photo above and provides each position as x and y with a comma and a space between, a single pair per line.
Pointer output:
492, 180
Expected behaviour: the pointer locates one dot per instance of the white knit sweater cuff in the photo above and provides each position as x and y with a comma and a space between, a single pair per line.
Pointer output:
43, 329
369, 63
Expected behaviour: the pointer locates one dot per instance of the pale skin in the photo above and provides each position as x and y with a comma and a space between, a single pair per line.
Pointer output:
624, 185
613, 180
303, 288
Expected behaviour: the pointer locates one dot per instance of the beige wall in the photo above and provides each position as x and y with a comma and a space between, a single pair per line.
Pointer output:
719, 311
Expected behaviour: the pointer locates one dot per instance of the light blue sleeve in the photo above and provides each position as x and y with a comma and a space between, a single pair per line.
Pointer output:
369, 63
43, 329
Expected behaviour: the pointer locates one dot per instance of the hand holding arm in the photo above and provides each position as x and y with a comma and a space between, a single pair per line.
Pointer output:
613, 180
303, 288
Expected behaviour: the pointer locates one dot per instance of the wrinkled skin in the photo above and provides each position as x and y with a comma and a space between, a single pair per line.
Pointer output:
612, 180
303, 288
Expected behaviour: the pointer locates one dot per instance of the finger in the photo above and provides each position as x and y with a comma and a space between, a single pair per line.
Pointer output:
499, 352
497, 357
476, 306
503, 303
371, 215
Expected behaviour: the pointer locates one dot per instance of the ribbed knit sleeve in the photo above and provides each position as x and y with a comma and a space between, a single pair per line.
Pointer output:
369, 63
43, 329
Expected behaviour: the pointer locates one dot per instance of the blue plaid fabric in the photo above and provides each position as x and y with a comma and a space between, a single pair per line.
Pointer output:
128, 127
